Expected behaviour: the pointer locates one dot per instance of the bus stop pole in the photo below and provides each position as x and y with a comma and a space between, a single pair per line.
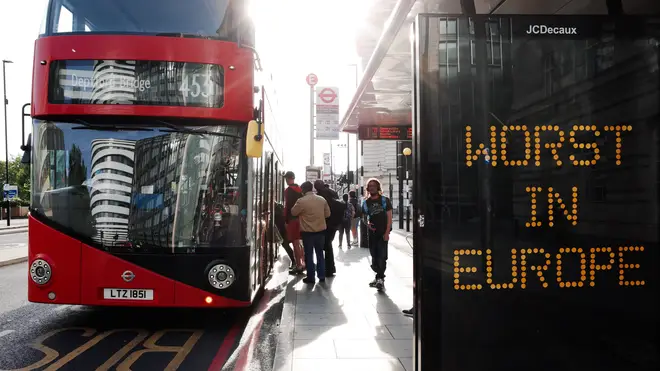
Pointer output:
6, 102
311, 125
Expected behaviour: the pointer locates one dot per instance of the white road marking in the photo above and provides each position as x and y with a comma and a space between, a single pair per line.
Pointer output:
6, 332
62, 307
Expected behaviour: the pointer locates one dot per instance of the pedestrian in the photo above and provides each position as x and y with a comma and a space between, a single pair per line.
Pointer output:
377, 211
352, 198
331, 191
291, 194
345, 227
280, 225
312, 210
333, 223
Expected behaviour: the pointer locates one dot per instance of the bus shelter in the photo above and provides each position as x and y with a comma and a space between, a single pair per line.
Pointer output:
535, 165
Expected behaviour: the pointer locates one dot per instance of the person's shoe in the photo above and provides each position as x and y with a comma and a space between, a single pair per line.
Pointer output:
380, 284
408, 312
322, 279
309, 280
373, 283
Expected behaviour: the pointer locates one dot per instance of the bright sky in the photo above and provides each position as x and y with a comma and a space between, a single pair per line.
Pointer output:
299, 37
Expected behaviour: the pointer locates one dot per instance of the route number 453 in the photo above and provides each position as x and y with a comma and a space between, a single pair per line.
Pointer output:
193, 88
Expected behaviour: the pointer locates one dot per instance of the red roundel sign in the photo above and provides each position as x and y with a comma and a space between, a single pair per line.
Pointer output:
327, 95
312, 79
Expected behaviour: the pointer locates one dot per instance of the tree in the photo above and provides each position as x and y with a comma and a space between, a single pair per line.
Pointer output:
19, 175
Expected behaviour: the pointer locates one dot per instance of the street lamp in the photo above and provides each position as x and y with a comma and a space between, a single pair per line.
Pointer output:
407, 152
6, 102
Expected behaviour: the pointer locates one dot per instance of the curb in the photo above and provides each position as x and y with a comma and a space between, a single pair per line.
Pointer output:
13, 230
283, 360
13, 261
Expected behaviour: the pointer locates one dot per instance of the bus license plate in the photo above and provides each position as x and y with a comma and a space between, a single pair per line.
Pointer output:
128, 294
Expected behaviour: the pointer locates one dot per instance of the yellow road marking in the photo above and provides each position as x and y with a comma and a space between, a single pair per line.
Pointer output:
51, 354
181, 352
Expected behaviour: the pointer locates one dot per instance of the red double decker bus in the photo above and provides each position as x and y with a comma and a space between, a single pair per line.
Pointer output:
151, 185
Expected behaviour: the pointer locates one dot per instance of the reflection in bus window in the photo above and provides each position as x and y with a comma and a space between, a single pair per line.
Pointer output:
142, 190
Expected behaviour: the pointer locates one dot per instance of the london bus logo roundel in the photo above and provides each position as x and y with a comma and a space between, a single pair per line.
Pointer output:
128, 276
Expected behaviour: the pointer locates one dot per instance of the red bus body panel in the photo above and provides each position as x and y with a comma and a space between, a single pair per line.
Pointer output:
238, 96
64, 255
81, 272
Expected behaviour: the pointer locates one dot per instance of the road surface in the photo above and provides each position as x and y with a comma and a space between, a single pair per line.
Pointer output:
63, 337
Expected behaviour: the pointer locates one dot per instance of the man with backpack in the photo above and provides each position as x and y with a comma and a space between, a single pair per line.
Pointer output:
332, 223
345, 227
377, 210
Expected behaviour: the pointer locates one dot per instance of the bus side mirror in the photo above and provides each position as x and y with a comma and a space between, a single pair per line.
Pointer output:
26, 146
27, 150
254, 141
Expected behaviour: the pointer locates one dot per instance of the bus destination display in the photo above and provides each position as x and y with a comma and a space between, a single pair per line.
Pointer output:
152, 83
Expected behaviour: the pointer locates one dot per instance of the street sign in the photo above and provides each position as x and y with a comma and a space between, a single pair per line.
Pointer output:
312, 173
9, 192
312, 79
327, 96
327, 113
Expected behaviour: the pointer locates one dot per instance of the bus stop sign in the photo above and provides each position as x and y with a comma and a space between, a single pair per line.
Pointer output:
10, 192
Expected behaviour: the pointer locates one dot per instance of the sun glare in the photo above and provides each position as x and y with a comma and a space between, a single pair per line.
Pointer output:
298, 37
309, 32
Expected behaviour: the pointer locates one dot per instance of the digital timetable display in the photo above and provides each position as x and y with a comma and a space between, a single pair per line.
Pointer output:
368, 132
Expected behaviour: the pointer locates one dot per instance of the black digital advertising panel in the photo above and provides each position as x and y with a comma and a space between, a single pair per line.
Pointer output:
536, 162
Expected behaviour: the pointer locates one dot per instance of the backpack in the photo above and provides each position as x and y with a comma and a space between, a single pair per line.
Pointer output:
358, 210
348, 211
365, 209
336, 212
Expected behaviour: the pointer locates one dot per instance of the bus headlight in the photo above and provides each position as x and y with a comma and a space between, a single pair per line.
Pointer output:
221, 276
40, 272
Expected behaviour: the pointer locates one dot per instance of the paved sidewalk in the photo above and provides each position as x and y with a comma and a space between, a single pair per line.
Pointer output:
13, 254
13, 251
16, 224
343, 324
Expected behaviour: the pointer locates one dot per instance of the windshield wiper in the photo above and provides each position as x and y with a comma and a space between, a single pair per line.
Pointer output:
198, 132
87, 126
190, 35
177, 129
